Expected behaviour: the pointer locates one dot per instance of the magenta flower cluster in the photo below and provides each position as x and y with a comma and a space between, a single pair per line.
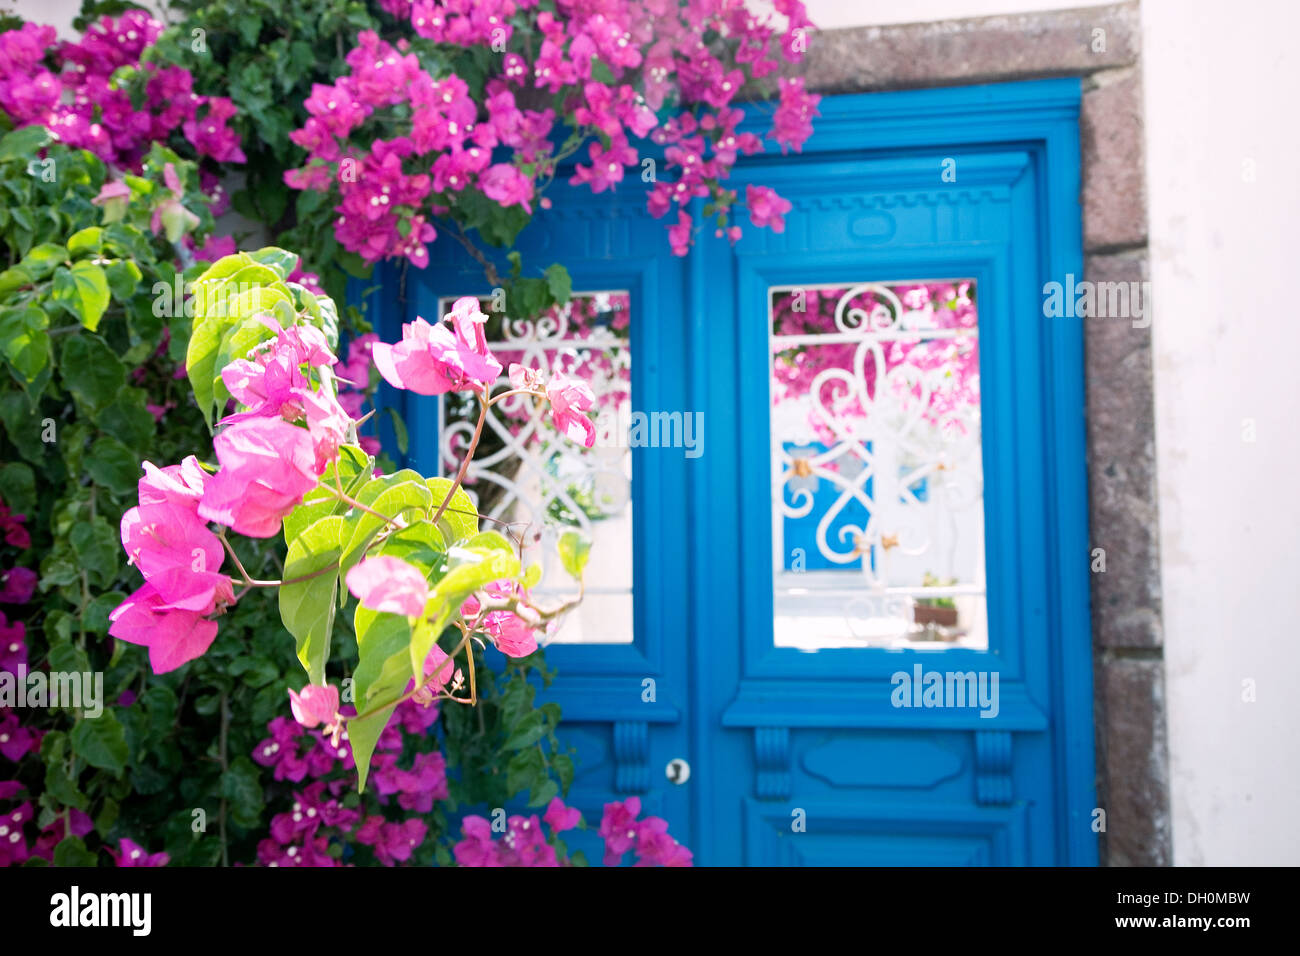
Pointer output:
317, 820
267, 464
16, 822
952, 364
608, 68
525, 844
70, 88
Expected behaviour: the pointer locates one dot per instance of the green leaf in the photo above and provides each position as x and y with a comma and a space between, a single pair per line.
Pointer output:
90, 370
201, 363
363, 733
240, 339
562, 765
15, 278
558, 282
478, 561
24, 341
59, 784
123, 277
543, 794
96, 545
307, 607
241, 786
83, 291
460, 520
527, 732
23, 143
18, 487
281, 260
88, 240
381, 674
390, 496
43, 259
113, 465
350, 470
526, 770
68, 658
100, 742
420, 544
575, 548
224, 267
127, 418
72, 851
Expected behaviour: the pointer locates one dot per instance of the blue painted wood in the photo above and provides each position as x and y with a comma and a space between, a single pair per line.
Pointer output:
754, 720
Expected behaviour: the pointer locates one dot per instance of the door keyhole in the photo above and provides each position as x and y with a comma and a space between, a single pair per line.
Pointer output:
678, 771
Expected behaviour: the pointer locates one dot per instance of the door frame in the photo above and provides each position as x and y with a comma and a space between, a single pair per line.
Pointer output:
1039, 116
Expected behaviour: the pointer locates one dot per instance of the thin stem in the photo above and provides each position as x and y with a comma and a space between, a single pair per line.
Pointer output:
469, 455
417, 688
489, 270
353, 503
239, 565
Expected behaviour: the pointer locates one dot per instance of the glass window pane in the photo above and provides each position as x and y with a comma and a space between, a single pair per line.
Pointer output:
534, 482
878, 507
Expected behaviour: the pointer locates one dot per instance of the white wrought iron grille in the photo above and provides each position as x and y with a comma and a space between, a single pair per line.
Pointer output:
535, 482
876, 465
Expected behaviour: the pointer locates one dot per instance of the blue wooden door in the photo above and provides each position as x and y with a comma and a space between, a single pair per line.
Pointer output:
770, 693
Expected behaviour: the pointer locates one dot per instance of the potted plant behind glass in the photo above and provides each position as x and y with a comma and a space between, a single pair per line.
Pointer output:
941, 611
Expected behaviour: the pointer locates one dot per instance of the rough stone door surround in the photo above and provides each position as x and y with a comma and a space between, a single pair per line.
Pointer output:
1128, 640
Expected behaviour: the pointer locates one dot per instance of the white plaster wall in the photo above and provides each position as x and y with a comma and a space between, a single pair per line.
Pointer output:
1220, 113
1219, 86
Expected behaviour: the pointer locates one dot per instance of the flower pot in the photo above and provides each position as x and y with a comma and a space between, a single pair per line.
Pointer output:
943, 616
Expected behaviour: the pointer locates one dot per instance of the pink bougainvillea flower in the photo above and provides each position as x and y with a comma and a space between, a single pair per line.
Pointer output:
13, 842
171, 216
12, 525
654, 847
766, 208
13, 644
132, 854
112, 198
267, 465
17, 585
569, 399
175, 484
477, 847
508, 186
431, 359
281, 750
618, 828
511, 634
440, 672
392, 842
211, 136
173, 635
522, 377
316, 704
53, 833
176, 553
15, 739
679, 236
559, 817
389, 584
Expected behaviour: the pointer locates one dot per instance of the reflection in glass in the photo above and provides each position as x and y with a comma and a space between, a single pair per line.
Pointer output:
878, 511
534, 482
